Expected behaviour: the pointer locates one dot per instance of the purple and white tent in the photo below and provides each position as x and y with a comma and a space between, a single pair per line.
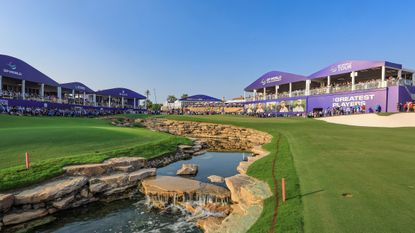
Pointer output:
77, 86
274, 78
15, 68
120, 92
200, 98
349, 66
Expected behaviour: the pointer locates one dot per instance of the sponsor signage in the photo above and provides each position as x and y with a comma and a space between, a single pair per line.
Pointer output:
79, 87
4, 102
353, 100
274, 79
11, 68
369, 99
123, 93
341, 67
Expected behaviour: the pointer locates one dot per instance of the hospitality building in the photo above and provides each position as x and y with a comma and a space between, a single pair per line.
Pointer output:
367, 85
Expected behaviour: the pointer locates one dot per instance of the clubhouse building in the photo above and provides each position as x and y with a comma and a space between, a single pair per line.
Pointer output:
23, 85
367, 85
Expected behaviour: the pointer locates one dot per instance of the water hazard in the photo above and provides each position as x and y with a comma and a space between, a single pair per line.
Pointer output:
128, 216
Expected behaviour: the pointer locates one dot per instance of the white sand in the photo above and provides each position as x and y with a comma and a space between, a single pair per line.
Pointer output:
374, 120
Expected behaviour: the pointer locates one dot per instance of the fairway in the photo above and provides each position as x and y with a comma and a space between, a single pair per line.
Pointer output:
46, 138
352, 179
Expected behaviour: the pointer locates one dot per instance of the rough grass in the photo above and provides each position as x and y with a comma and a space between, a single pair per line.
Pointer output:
374, 167
57, 142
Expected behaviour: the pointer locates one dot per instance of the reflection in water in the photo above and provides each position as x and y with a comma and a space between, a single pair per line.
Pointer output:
134, 215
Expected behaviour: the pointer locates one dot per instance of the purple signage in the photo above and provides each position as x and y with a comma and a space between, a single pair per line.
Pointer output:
203, 98
274, 78
369, 99
41, 104
78, 87
121, 92
349, 66
18, 69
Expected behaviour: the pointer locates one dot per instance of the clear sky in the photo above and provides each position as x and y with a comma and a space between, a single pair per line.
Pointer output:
214, 47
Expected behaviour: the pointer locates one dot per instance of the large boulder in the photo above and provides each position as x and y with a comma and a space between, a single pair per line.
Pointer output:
63, 203
247, 190
187, 169
88, 170
16, 218
133, 177
6, 201
134, 162
105, 183
50, 191
183, 189
216, 179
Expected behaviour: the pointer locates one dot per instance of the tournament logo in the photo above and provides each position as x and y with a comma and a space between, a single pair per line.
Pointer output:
341, 67
271, 80
12, 69
12, 66
122, 93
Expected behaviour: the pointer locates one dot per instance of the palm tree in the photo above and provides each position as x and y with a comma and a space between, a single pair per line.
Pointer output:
147, 93
171, 99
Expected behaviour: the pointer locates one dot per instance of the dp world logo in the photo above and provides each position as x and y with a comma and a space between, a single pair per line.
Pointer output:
123, 93
12, 66
271, 80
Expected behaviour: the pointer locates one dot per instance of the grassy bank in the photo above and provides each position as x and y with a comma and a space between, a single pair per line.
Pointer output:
351, 179
57, 142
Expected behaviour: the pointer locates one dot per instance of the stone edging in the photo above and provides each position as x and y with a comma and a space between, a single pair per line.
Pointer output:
247, 193
113, 179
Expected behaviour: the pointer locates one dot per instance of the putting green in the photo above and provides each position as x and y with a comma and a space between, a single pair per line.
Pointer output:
54, 142
46, 138
351, 179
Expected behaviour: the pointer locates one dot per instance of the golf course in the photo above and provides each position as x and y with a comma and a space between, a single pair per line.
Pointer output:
338, 178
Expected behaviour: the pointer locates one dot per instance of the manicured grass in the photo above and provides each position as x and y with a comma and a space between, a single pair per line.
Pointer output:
385, 113
375, 166
56, 142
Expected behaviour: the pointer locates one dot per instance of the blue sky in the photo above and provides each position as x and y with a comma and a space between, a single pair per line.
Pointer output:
213, 47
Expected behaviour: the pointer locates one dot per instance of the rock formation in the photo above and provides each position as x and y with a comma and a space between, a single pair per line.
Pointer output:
187, 169
218, 137
163, 191
216, 179
81, 185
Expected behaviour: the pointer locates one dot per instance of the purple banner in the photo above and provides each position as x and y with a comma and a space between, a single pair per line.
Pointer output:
368, 99
41, 104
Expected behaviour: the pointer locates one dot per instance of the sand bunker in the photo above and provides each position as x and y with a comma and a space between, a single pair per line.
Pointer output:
374, 120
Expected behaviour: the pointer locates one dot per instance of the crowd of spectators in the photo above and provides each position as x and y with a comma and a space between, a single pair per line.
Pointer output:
69, 112
334, 88
338, 111
208, 109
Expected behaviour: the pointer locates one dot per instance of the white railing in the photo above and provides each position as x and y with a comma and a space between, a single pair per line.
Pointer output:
372, 84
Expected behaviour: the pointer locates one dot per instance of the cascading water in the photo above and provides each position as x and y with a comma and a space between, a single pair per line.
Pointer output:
135, 215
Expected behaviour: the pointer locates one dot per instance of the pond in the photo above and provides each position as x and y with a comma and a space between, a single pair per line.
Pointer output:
133, 215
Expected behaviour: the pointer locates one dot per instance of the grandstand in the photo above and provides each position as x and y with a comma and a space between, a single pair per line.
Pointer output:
24, 86
202, 105
347, 86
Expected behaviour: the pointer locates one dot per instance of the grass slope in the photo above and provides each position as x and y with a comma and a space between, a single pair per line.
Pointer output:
56, 142
375, 165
